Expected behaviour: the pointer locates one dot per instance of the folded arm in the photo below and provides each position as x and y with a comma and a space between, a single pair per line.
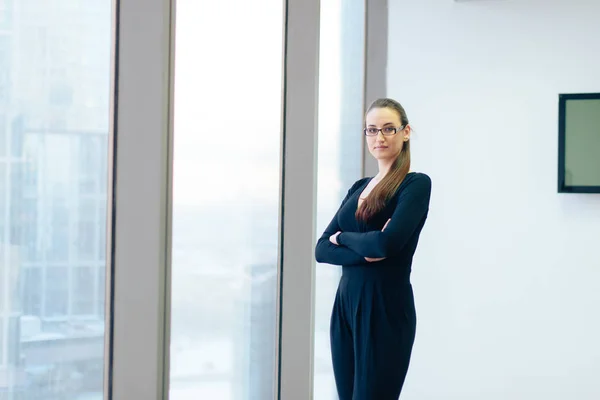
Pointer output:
412, 207
329, 253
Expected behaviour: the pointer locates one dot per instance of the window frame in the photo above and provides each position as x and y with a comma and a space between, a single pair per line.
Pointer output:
139, 226
138, 245
376, 54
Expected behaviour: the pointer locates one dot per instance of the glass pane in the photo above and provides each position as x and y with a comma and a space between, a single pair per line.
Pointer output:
226, 199
582, 142
100, 290
341, 69
32, 291
3, 135
54, 117
56, 295
83, 286
2, 342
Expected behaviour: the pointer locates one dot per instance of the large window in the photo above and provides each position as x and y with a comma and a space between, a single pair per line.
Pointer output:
227, 140
237, 272
54, 117
341, 72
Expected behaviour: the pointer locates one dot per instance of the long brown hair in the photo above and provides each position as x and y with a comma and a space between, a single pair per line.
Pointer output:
385, 190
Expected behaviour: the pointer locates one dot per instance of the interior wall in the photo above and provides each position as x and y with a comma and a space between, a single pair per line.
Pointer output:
507, 274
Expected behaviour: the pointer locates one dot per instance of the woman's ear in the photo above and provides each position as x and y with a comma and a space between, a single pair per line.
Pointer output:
406, 133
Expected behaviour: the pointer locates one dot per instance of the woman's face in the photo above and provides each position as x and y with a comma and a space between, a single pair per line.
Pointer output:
384, 147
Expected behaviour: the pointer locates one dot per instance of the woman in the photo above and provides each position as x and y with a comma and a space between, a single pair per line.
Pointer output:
374, 235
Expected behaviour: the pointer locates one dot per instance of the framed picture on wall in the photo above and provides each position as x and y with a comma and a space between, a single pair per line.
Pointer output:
579, 143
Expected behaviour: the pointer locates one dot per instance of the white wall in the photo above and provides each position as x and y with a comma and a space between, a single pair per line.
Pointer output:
507, 276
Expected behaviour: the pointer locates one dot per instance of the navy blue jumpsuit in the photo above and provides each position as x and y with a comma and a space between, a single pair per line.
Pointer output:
373, 321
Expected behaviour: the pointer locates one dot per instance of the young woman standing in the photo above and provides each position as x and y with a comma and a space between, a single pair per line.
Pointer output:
373, 236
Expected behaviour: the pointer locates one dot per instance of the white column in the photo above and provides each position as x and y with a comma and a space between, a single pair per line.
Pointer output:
376, 49
140, 228
299, 199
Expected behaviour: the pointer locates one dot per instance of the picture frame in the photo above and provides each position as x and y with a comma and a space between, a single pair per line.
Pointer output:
565, 182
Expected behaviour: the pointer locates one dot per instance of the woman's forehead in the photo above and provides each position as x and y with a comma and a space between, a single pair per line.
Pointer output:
382, 116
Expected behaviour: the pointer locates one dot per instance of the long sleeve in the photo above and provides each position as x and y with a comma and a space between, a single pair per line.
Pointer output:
329, 253
412, 207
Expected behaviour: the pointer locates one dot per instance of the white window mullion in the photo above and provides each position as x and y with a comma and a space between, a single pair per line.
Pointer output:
376, 49
301, 69
140, 228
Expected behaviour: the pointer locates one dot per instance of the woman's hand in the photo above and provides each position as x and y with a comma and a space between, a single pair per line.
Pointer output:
369, 259
386, 224
333, 238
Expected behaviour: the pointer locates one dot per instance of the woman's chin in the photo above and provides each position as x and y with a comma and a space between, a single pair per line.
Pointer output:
382, 156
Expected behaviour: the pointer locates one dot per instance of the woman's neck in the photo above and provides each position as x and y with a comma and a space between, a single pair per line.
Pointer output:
384, 168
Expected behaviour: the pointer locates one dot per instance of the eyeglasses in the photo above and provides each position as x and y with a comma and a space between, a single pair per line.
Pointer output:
386, 131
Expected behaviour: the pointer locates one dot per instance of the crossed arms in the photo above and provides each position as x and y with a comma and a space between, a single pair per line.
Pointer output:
353, 248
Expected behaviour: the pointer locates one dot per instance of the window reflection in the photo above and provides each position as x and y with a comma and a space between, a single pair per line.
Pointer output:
53, 187
226, 199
